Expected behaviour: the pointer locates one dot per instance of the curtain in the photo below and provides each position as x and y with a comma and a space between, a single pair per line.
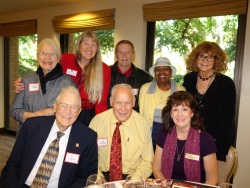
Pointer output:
96, 20
28, 27
179, 9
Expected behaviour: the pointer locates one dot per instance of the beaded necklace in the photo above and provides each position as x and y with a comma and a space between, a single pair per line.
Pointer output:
205, 78
199, 96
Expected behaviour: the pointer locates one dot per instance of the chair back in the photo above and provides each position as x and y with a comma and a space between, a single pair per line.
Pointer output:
227, 169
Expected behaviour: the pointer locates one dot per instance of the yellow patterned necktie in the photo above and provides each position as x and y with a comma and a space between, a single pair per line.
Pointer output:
44, 172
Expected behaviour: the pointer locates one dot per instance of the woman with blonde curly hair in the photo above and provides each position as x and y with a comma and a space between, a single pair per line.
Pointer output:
214, 92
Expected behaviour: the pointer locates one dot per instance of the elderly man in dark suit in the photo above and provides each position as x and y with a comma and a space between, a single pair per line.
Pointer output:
77, 156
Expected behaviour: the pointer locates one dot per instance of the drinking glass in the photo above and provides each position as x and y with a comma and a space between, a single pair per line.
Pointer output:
228, 185
95, 181
134, 182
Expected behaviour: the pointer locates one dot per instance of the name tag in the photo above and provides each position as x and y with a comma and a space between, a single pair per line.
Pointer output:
192, 157
72, 158
102, 142
34, 87
71, 72
135, 91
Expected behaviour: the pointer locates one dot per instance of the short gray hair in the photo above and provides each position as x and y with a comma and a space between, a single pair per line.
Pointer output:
69, 89
127, 86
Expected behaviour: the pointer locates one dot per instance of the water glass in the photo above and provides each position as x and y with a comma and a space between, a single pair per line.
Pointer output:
228, 185
134, 182
95, 181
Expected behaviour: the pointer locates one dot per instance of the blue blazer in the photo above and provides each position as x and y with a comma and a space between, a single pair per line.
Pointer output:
29, 143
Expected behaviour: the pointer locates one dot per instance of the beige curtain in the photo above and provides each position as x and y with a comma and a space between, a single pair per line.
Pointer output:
97, 20
179, 9
21, 28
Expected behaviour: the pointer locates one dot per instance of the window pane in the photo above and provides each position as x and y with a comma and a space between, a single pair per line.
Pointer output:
22, 59
106, 38
176, 38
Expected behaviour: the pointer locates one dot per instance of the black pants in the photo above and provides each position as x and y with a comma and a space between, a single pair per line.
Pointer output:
86, 116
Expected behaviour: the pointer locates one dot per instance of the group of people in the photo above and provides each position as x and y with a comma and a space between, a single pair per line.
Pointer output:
151, 123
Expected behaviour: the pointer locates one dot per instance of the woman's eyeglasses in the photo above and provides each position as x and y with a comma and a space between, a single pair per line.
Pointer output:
202, 57
44, 54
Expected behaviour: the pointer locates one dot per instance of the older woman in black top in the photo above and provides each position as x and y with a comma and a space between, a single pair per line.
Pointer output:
214, 92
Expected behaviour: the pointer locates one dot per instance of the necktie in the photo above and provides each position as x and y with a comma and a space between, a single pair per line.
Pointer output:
47, 165
115, 166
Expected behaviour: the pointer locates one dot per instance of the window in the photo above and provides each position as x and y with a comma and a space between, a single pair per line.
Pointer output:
106, 38
17, 60
176, 38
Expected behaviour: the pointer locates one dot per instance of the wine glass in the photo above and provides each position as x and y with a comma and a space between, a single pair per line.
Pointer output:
133, 181
95, 181
228, 185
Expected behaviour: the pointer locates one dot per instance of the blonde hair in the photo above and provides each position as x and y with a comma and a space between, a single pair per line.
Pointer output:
93, 81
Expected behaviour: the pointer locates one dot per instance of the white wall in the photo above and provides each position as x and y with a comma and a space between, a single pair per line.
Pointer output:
243, 142
131, 25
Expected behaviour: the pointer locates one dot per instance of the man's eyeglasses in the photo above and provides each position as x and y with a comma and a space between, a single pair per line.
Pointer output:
64, 106
44, 54
202, 57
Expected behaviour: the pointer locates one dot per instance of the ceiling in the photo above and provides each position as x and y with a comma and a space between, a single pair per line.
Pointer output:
13, 6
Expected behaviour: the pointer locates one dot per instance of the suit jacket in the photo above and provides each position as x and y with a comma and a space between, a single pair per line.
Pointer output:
29, 143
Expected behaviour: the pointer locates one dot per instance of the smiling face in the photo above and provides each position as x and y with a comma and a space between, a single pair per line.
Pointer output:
124, 55
122, 103
181, 115
163, 74
66, 116
47, 58
204, 65
88, 49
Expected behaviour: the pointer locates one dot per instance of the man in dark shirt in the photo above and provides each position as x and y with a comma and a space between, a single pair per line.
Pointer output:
124, 71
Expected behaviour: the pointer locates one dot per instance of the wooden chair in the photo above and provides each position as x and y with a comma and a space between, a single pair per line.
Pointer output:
227, 169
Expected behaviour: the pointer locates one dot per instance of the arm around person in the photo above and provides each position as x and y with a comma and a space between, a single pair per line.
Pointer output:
31, 102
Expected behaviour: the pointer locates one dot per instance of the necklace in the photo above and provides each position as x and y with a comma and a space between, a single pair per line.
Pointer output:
179, 155
205, 78
199, 96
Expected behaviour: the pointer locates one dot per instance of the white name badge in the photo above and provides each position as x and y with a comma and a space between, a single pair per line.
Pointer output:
72, 158
102, 142
34, 87
192, 157
71, 72
135, 91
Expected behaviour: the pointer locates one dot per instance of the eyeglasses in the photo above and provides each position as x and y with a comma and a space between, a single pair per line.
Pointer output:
64, 106
202, 57
44, 54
